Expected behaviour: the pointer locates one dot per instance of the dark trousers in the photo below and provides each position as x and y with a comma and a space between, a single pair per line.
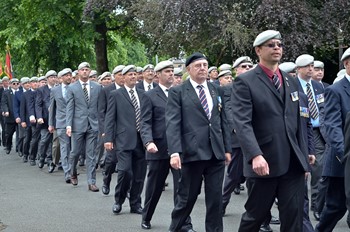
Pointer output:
56, 150
234, 175
321, 196
26, 140
289, 190
10, 129
34, 143
307, 226
192, 175
110, 164
335, 207
132, 169
20, 133
3, 133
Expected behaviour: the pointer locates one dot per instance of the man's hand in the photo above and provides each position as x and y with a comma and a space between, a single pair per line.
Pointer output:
175, 162
40, 121
227, 158
260, 166
312, 159
23, 124
6, 114
152, 148
108, 146
69, 132
51, 129
18, 120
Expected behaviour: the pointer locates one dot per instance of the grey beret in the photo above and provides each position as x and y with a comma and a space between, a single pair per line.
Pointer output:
318, 64
163, 64
42, 78
64, 72
287, 67
212, 68
51, 73
118, 68
104, 75
242, 59
225, 67
177, 71
304, 60
148, 66
25, 80
225, 73
93, 73
0, 81
83, 65
129, 68
14, 80
346, 54
265, 36
5, 78
33, 79
139, 69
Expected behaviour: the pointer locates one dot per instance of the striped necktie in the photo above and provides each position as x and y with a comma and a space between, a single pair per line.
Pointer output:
312, 104
137, 109
86, 93
203, 100
276, 82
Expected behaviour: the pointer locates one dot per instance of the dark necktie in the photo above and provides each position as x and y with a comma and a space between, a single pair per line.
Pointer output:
203, 100
166, 92
137, 109
312, 104
276, 82
149, 87
86, 94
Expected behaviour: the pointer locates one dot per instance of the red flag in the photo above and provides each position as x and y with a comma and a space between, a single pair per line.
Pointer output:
8, 66
1, 72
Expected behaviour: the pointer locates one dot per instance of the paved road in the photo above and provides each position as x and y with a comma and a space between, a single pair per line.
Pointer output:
34, 200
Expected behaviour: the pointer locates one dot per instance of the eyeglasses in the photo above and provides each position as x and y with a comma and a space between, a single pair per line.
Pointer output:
246, 66
15, 83
273, 45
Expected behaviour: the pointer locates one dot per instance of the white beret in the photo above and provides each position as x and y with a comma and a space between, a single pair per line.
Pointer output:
177, 71
225, 67
83, 65
212, 68
148, 66
304, 60
287, 67
104, 75
265, 36
225, 73
14, 80
33, 79
129, 68
346, 54
163, 64
25, 80
139, 69
117, 69
318, 64
240, 60
64, 72
92, 73
51, 73
42, 78
5, 78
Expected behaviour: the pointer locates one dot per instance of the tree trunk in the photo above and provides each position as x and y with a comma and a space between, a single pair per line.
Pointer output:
101, 47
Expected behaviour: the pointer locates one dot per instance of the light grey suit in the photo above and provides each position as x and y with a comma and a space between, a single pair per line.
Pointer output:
82, 117
57, 119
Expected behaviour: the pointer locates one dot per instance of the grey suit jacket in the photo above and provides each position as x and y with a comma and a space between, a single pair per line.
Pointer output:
80, 113
57, 108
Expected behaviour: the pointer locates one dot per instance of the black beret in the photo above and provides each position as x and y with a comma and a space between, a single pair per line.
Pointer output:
195, 56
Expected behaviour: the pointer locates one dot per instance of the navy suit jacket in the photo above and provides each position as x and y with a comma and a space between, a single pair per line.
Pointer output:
337, 99
24, 112
17, 102
153, 127
7, 105
42, 103
102, 106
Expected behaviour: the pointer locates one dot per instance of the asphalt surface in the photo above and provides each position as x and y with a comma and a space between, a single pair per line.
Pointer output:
31, 199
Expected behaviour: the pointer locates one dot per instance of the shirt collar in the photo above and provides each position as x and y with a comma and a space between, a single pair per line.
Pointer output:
347, 76
195, 84
128, 89
87, 83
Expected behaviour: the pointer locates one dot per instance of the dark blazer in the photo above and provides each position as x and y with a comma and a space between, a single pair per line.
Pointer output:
153, 122
24, 112
229, 114
337, 98
120, 121
17, 102
7, 105
31, 103
140, 85
267, 123
102, 105
1, 93
42, 103
189, 131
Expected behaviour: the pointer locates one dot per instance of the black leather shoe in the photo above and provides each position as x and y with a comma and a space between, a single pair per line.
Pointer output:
52, 167
41, 163
146, 225
188, 230
237, 190
137, 210
68, 181
82, 162
275, 220
317, 215
105, 189
8, 151
32, 163
25, 159
116, 208
265, 228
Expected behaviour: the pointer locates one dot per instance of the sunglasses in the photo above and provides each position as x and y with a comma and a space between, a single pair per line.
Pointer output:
15, 83
273, 45
246, 66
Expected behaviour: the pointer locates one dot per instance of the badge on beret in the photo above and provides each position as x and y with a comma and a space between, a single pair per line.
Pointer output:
320, 98
295, 96
304, 112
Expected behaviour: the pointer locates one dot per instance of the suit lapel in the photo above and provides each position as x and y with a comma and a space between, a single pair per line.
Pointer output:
126, 95
266, 80
191, 92
161, 94
346, 85
287, 89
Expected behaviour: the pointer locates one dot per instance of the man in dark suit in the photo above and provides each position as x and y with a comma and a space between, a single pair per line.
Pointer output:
198, 143
42, 103
265, 110
5, 83
7, 110
148, 75
337, 98
318, 73
153, 134
111, 160
315, 94
122, 132
82, 124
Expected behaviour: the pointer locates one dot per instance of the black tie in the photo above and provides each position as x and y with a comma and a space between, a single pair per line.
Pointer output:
137, 109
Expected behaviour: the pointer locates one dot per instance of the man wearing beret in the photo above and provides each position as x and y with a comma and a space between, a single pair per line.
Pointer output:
337, 98
5, 82
148, 78
242, 65
198, 143
16, 110
225, 77
82, 124
318, 73
266, 117
122, 133
213, 75
288, 67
